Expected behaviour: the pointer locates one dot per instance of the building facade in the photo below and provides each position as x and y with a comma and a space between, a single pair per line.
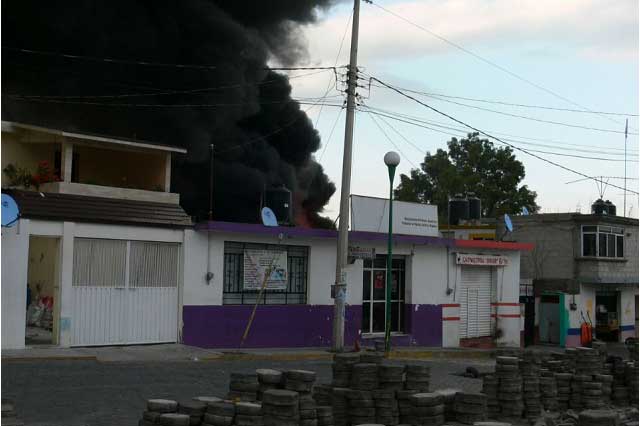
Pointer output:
583, 268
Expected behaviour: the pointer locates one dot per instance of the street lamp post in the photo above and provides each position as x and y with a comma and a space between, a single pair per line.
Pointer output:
391, 159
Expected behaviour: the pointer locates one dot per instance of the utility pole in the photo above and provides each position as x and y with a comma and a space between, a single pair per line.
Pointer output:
211, 182
340, 293
626, 131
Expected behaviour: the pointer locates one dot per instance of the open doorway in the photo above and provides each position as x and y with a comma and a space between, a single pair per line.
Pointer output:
607, 315
549, 321
43, 283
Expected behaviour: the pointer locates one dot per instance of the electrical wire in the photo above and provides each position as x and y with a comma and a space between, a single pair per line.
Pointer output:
146, 63
324, 149
496, 138
437, 124
168, 92
487, 61
391, 141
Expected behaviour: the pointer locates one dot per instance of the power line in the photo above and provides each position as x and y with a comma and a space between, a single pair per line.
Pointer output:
391, 141
498, 102
496, 138
463, 134
438, 124
326, 145
524, 117
167, 92
146, 63
487, 61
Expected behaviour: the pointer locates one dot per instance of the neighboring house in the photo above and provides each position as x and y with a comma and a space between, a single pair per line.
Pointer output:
584, 267
99, 242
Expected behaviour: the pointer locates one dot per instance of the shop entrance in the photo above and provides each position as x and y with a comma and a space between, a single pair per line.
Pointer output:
43, 284
374, 289
607, 316
550, 319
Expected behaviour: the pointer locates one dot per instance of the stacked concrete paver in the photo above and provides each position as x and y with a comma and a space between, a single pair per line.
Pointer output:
470, 407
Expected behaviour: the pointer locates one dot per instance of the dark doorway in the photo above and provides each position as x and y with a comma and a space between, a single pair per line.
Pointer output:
607, 316
529, 319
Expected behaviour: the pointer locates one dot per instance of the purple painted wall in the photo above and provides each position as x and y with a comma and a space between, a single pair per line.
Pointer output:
274, 326
285, 326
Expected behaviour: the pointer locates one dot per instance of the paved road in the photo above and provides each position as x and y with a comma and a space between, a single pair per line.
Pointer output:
74, 393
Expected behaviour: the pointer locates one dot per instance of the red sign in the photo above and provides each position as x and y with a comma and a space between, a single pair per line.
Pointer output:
481, 260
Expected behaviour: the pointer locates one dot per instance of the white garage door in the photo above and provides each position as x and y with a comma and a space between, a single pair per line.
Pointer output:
125, 292
475, 301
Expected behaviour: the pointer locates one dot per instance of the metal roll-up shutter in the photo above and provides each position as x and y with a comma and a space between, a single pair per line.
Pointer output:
475, 301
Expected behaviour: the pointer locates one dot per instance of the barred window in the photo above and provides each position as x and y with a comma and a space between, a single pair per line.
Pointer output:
235, 293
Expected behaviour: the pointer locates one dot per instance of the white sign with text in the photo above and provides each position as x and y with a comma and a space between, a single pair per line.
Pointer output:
481, 260
372, 215
258, 262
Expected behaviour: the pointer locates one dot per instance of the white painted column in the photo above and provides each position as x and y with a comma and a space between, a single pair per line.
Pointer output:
167, 173
66, 288
67, 161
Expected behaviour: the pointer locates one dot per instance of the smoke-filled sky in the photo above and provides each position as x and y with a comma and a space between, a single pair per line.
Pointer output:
261, 136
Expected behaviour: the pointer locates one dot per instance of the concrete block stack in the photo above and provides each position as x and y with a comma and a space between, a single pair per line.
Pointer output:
417, 377
9, 415
268, 379
280, 407
530, 373
490, 388
404, 405
362, 408
575, 401
632, 347
563, 384
592, 395
601, 349
243, 387
449, 397
194, 409
588, 361
173, 419
372, 357
342, 366
249, 414
156, 408
340, 406
300, 381
470, 407
548, 393
427, 409
510, 386
220, 413
598, 418
631, 375
620, 390
390, 376
606, 381
325, 415
364, 376
308, 411
322, 394
571, 355
387, 409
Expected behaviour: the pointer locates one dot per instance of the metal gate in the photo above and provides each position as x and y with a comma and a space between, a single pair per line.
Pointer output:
476, 293
124, 292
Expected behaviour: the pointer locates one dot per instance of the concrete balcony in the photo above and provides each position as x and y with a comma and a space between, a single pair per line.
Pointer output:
110, 192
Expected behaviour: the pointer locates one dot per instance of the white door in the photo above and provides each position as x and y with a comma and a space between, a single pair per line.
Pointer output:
124, 292
476, 290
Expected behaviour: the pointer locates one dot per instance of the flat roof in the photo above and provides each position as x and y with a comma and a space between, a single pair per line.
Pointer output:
293, 231
8, 125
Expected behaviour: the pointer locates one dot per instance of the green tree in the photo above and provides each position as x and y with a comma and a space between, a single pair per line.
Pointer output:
470, 165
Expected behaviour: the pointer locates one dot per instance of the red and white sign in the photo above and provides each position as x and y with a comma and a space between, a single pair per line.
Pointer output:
481, 260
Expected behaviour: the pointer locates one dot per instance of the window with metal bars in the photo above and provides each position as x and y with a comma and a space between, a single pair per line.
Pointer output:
297, 271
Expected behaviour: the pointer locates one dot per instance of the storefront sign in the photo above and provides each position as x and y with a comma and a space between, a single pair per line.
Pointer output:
372, 215
362, 252
481, 260
258, 262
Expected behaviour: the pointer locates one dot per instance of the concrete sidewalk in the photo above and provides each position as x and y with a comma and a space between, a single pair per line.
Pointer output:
179, 352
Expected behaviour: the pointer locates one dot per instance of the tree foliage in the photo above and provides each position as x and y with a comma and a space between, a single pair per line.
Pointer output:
470, 165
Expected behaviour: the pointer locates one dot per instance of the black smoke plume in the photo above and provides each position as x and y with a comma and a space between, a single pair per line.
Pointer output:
262, 137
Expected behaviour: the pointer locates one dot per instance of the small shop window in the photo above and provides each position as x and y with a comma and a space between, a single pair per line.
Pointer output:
288, 266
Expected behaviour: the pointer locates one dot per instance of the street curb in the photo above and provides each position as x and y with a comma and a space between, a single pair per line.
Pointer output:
441, 354
50, 358
329, 356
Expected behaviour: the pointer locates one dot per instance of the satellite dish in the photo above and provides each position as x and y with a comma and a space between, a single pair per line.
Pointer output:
268, 217
10, 211
525, 211
507, 223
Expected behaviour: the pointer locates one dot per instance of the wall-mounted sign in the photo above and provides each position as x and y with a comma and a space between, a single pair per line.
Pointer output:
481, 260
256, 265
362, 252
372, 215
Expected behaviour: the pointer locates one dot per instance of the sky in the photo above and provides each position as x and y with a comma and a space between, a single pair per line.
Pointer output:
583, 50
